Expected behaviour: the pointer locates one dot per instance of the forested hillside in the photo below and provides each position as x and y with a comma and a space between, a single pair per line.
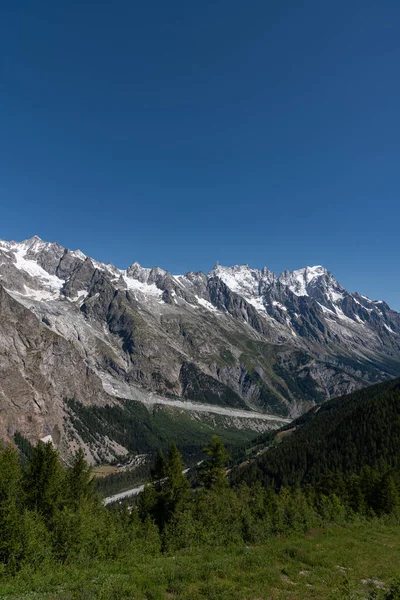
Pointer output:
335, 468
191, 540
344, 436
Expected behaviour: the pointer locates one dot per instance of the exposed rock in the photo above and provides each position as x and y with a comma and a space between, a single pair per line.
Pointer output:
237, 337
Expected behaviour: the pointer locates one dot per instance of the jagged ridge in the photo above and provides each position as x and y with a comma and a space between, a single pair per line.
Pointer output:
246, 336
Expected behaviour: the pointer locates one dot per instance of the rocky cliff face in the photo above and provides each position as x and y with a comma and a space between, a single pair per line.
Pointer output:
237, 338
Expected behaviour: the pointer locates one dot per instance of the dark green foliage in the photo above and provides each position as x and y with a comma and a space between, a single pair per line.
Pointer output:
213, 467
140, 430
10, 507
24, 446
43, 481
176, 488
49, 514
122, 480
79, 481
165, 497
393, 593
159, 470
342, 436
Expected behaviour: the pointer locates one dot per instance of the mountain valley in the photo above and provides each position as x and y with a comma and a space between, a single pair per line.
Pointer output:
84, 343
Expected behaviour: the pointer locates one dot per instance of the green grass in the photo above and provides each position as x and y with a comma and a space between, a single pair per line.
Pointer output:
333, 563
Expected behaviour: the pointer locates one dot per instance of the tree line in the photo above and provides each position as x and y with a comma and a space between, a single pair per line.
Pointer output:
49, 513
342, 436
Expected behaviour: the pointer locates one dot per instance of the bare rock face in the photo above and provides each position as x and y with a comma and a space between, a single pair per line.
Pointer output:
240, 339
38, 370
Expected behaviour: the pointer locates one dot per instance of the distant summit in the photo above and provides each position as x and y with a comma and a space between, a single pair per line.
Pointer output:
238, 342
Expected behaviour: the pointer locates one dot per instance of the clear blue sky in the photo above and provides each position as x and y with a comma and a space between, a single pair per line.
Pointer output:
180, 133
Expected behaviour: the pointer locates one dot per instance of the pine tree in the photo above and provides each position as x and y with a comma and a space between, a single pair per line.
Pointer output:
148, 503
43, 481
176, 488
388, 497
79, 480
213, 471
158, 472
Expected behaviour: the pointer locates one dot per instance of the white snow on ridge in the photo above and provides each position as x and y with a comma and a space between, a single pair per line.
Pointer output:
257, 303
177, 279
311, 273
298, 280
206, 304
37, 295
238, 279
326, 310
80, 296
51, 283
79, 254
250, 284
341, 314
335, 296
279, 305
243, 280
137, 286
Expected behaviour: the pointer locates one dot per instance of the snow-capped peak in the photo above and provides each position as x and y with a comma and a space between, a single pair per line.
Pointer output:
299, 280
244, 280
34, 269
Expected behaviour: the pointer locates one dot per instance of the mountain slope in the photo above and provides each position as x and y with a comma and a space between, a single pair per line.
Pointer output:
343, 436
236, 339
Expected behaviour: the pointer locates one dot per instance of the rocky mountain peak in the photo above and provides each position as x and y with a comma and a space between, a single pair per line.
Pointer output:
244, 280
301, 281
237, 335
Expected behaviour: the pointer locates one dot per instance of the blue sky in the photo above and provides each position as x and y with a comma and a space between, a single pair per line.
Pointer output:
180, 133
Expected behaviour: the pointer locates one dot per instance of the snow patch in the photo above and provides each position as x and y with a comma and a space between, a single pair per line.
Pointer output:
279, 305
297, 281
135, 285
206, 304
335, 296
325, 309
243, 280
257, 303
53, 283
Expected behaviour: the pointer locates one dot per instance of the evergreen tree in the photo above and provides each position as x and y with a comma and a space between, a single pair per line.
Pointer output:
159, 470
43, 481
149, 503
176, 488
214, 466
388, 498
79, 481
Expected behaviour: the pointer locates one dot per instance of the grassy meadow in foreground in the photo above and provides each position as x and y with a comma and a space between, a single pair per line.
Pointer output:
360, 560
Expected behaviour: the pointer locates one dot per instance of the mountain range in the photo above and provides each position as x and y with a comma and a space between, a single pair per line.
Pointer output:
84, 343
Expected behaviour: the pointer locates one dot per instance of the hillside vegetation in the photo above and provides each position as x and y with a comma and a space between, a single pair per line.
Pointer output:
338, 563
343, 437
327, 531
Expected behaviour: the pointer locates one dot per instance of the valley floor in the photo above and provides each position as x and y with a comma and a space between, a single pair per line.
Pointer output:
360, 560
